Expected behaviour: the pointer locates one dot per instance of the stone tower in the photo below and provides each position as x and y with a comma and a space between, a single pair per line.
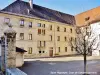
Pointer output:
8, 49
10, 34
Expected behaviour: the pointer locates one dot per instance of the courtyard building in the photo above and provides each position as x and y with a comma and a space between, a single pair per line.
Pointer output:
41, 31
91, 18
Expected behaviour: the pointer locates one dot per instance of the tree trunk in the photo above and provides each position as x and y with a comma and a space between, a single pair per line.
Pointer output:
85, 61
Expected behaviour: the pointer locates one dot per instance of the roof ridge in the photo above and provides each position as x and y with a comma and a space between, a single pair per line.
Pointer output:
21, 7
53, 10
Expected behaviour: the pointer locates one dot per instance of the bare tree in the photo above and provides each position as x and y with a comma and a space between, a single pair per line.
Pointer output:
84, 42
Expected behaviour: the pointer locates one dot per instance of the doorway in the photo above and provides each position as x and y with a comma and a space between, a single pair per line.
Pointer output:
51, 53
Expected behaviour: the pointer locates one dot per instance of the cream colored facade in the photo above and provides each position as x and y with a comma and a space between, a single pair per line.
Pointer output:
37, 50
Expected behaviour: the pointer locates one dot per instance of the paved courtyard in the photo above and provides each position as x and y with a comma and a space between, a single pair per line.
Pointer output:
60, 67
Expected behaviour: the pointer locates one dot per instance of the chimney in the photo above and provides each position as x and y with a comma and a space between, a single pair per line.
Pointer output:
31, 4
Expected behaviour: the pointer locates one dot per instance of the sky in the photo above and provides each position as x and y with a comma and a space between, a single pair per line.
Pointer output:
67, 6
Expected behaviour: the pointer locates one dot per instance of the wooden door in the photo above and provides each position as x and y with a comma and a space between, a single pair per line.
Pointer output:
51, 53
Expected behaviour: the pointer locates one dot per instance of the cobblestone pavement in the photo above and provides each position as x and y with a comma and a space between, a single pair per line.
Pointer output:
60, 67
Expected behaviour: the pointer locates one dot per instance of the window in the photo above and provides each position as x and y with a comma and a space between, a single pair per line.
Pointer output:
87, 18
30, 50
30, 24
71, 30
50, 37
65, 38
39, 31
22, 23
44, 43
58, 38
43, 25
40, 44
43, 31
71, 39
7, 20
76, 49
39, 24
30, 36
71, 48
58, 49
64, 29
58, 29
75, 40
50, 27
22, 36
65, 49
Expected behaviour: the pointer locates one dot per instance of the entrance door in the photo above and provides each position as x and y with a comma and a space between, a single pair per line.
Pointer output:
51, 53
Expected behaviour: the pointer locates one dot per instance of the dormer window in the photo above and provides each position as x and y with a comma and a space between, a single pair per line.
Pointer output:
87, 18
7, 20
22, 22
